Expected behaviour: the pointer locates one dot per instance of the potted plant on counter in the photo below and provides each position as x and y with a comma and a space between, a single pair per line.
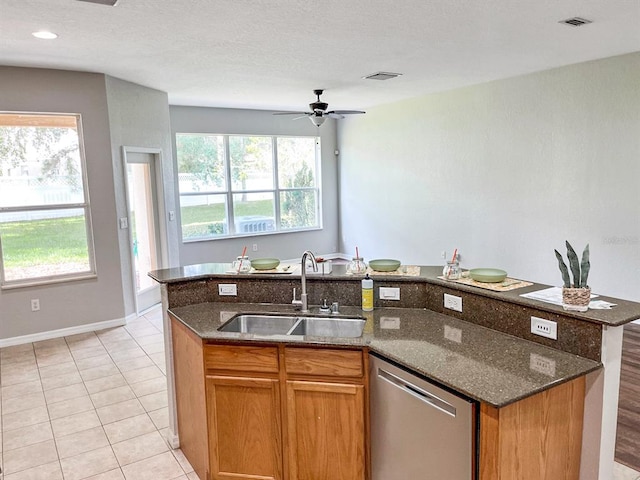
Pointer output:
576, 295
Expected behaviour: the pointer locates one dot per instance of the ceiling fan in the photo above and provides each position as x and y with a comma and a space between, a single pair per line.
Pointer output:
318, 113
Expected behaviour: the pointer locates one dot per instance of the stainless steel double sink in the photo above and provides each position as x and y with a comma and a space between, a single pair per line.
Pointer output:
318, 326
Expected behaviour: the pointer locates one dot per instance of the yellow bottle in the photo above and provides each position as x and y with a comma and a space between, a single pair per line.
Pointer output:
367, 294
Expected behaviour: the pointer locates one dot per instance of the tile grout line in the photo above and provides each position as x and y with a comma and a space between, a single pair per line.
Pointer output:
104, 344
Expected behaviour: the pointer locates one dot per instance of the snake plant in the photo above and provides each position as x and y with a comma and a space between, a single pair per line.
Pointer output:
579, 269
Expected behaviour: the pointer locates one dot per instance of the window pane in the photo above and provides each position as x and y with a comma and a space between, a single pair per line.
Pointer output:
254, 212
39, 160
251, 163
296, 162
203, 216
200, 163
298, 209
43, 243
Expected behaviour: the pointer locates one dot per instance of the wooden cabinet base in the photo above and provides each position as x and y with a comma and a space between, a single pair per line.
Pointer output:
539, 437
326, 431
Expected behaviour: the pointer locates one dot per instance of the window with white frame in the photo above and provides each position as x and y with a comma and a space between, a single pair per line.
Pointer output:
232, 185
45, 225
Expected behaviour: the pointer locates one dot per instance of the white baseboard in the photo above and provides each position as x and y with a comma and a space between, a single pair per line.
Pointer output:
172, 438
65, 332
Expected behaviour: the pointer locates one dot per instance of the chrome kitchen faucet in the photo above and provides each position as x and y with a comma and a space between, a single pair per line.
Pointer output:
304, 307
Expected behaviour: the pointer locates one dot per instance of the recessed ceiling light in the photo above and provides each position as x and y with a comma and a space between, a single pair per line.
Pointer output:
45, 35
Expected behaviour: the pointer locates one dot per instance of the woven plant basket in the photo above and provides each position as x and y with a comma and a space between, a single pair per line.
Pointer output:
576, 299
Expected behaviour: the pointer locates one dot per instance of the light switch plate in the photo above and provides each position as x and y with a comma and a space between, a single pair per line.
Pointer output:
544, 328
389, 293
230, 289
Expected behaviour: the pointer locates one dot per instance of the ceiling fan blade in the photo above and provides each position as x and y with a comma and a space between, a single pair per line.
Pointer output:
305, 115
334, 115
293, 113
346, 112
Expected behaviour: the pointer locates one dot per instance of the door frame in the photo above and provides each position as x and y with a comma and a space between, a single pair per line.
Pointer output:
162, 235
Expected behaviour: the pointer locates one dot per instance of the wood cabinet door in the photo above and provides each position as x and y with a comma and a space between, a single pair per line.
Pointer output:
245, 441
326, 431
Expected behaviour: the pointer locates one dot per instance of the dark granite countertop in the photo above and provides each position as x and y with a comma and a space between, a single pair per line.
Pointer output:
478, 362
624, 312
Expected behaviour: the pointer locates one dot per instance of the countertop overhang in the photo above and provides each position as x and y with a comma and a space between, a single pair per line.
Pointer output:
481, 363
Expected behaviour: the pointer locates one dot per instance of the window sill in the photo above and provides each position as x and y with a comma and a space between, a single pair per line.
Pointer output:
48, 281
249, 235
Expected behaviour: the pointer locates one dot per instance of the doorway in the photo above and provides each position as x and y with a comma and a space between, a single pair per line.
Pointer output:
145, 239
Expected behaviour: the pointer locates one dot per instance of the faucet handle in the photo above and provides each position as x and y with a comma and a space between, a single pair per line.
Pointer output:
295, 302
325, 308
334, 308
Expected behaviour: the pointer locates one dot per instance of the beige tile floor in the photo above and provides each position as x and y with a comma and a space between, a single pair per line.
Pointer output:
94, 406
89, 406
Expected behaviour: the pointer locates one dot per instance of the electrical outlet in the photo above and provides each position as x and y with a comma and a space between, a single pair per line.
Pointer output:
452, 302
172, 215
443, 254
230, 289
124, 223
35, 304
544, 328
544, 365
389, 293
254, 247
453, 334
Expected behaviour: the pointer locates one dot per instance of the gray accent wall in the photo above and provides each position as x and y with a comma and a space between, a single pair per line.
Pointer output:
139, 117
504, 171
259, 122
70, 304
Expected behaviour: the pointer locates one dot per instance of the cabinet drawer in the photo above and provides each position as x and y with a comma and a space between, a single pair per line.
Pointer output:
325, 362
241, 358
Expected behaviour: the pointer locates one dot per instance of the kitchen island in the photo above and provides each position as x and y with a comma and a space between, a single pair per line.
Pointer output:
463, 351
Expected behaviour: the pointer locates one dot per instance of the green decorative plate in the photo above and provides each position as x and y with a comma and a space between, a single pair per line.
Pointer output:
384, 265
265, 263
487, 275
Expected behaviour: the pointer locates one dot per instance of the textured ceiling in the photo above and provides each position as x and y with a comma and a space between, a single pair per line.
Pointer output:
271, 54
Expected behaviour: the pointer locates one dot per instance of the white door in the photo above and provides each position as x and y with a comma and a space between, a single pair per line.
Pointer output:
142, 198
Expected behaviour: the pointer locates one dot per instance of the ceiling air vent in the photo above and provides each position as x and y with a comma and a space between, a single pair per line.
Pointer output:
575, 21
111, 3
382, 76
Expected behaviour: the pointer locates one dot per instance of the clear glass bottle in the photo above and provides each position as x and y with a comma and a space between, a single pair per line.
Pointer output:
241, 265
357, 266
451, 271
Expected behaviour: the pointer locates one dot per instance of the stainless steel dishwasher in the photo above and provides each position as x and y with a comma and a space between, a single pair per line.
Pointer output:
418, 430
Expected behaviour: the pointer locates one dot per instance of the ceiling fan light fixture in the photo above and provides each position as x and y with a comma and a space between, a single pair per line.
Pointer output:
317, 120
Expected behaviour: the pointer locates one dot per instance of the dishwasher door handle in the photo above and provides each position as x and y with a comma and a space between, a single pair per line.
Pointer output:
417, 392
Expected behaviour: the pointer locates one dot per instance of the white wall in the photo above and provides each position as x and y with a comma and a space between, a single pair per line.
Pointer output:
505, 172
139, 117
282, 245
69, 304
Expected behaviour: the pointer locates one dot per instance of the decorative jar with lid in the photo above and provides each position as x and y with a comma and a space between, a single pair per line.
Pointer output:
241, 264
357, 266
